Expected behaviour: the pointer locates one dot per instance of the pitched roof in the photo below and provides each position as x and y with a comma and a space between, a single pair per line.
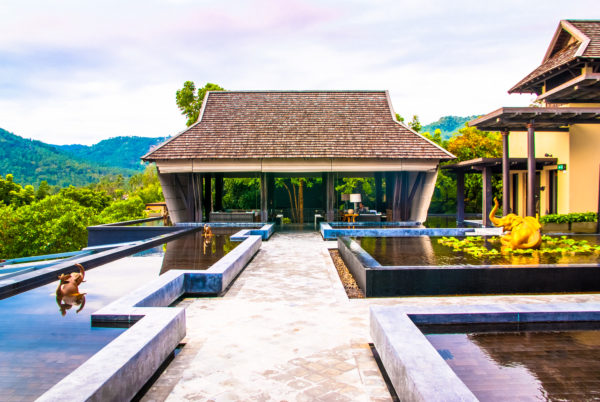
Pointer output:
574, 41
297, 124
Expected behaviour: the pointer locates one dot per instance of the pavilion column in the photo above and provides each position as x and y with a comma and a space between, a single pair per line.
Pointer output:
218, 191
264, 213
378, 192
400, 208
389, 194
505, 175
190, 201
329, 196
531, 168
207, 196
460, 197
486, 207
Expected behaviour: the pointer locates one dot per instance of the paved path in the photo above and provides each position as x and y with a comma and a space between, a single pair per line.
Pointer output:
287, 331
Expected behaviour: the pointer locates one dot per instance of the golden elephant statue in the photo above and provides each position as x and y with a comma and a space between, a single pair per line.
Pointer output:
522, 232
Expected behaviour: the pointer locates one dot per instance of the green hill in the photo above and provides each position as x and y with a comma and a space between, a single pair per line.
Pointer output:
32, 161
448, 125
123, 152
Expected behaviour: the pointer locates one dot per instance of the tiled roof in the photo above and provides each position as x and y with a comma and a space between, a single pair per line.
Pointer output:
587, 45
297, 124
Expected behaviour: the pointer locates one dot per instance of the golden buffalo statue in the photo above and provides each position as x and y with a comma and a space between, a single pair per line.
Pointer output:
522, 232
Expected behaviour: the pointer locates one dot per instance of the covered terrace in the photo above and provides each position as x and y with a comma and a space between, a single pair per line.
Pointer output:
269, 134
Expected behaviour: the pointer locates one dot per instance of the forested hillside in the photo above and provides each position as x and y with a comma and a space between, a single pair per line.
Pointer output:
448, 125
31, 162
124, 152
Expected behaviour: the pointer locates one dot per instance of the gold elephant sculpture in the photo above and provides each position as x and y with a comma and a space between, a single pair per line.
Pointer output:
522, 232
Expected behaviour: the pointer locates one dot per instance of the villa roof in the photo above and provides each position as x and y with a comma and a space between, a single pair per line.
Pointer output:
297, 124
574, 42
544, 118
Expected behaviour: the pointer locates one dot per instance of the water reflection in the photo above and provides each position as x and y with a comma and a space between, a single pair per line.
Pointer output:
198, 251
547, 365
425, 250
67, 292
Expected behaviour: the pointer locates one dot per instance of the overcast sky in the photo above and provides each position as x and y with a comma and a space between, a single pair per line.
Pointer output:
75, 71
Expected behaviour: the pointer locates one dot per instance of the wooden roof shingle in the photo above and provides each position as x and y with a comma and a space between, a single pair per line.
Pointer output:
574, 41
297, 124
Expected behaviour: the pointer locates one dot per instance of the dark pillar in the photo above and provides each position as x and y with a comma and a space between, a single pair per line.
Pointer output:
270, 191
207, 199
400, 207
378, 193
505, 175
264, 214
389, 194
531, 168
329, 197
460, 197
218, 191
191, 197
486, 204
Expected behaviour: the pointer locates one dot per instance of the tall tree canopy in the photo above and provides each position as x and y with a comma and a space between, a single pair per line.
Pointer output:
190, 102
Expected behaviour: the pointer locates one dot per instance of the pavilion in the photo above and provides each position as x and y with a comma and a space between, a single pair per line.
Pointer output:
561, 174
269, 134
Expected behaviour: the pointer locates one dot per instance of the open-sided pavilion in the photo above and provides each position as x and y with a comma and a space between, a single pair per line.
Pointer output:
270, 134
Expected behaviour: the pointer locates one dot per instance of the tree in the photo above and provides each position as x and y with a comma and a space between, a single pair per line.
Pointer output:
189, 102
295, 190
43, 190
414, 124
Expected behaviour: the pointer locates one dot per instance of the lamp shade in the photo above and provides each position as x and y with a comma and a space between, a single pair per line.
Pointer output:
345, 197
355, 198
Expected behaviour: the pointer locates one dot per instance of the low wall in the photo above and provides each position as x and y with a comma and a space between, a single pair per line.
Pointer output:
119, 370
330, 231
418, 372
376, 280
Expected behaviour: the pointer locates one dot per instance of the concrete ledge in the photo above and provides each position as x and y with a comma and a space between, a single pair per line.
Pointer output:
386, 281
119, 370
39, 277
329, 231
415, 368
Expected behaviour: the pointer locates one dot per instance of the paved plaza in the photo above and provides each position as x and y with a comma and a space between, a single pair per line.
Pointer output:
286, 331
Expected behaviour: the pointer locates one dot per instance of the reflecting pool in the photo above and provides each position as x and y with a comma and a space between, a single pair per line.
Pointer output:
525, 365
39, 346
426, 251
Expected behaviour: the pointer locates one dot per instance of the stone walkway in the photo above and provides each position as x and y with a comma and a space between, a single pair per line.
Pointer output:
286, 331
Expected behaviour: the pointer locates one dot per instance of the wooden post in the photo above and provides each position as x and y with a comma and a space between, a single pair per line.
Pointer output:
378, 192
531, 168
207, 201
264, 213
598, 214
389, 194
486, 201
460, 197
505, 175
218, 191
329, 196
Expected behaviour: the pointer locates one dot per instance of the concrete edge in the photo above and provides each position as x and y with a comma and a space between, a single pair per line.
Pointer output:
417, 371
120, 369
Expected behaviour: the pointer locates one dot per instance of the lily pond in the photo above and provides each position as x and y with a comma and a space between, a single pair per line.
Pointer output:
477, 250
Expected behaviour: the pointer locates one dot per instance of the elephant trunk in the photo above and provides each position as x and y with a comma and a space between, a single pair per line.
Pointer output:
495, 221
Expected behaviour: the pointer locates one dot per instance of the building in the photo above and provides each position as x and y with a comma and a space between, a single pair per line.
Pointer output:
270, 134
560, 135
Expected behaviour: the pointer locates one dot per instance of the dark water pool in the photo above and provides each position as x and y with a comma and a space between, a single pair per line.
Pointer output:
526, 365
425, 250
39, 346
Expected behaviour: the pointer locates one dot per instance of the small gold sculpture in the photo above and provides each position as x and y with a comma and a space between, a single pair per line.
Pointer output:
67, 292
208, 235
522, 232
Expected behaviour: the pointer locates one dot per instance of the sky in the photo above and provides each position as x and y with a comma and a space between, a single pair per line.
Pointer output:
77, 72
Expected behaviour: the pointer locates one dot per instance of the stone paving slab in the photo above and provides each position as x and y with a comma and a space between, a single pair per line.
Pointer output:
286, 331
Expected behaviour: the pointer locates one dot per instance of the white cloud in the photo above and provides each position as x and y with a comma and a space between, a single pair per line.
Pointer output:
78, 72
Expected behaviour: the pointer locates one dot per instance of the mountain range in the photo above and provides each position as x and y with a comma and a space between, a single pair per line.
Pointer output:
31, 161
448, 125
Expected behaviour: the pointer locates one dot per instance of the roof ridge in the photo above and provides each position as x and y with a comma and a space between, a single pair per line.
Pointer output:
302, 91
